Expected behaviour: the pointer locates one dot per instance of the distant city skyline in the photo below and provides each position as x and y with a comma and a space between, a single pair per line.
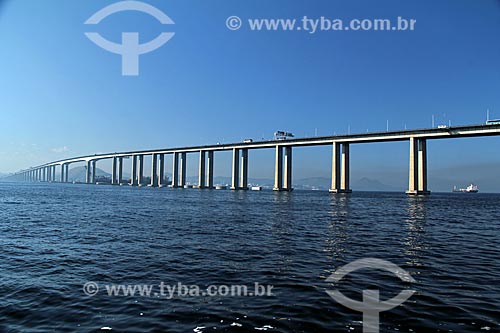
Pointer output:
63, 96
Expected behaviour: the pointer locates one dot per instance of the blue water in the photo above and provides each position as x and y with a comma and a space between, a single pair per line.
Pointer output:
54, 238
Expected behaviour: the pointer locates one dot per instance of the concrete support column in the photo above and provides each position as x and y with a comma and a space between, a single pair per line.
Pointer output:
210, 170
417, 180
53, 173
175, 170
113, 171
413, 176
278, 169
49, 174
346, 170
244, 169
93, 171
88, 171
235, 170
140, 170
183, 170
120, 170
422, 166
154, 170
161, 171
336, 174
340, 168
66, 173
201, 170
133, 177
63, 167
287, 182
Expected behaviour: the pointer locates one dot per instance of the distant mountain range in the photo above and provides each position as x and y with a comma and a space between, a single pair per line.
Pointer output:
78, 174
440, 180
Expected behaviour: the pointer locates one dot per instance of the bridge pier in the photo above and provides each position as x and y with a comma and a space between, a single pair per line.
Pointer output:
340, 168
161, 171
53, 173
140, 170
283, 180
93, 177
66, 173
182, 176
154, 170
62, 172
120, 170
201, 170
418, 167
88, 171
210, 171
235, 169
175, 170
133, 176
239, 175
244, 169
113, 171
287, 180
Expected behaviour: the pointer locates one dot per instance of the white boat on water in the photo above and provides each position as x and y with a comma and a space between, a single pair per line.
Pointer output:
256, 188
469, 189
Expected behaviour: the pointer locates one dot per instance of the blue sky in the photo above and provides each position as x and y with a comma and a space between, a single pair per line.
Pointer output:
61, 95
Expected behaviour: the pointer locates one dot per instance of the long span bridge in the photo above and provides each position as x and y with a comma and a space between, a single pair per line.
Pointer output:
417, 177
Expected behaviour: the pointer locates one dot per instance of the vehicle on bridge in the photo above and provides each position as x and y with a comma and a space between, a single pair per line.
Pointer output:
493, 122
281, 135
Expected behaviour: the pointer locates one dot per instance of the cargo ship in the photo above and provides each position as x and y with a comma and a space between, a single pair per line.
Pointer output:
469, 189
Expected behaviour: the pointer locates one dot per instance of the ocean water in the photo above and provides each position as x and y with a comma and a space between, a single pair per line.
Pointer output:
54, 238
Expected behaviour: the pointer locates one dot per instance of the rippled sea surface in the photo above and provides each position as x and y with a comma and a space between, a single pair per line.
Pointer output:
54, 238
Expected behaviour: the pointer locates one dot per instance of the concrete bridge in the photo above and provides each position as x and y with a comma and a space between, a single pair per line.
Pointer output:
417, 179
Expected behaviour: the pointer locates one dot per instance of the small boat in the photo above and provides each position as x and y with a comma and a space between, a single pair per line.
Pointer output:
469, 189
256, 188
220, 187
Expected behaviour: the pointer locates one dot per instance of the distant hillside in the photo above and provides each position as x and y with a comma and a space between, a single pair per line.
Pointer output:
78, 174
367, 184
